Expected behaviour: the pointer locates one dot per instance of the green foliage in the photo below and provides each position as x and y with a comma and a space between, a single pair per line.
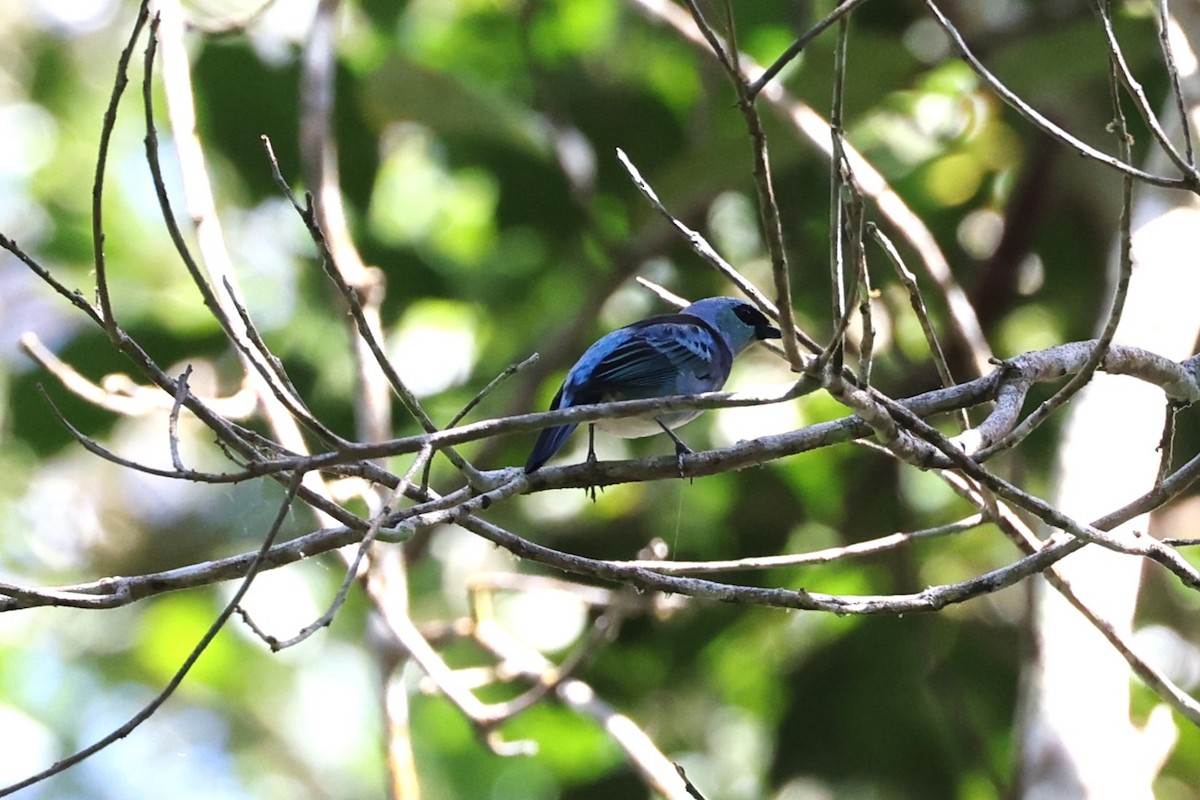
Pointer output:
451, 123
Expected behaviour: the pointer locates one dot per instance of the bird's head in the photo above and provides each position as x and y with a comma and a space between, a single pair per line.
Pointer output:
740, 323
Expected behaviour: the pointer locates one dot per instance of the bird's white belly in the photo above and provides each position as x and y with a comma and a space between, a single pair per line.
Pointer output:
637, 427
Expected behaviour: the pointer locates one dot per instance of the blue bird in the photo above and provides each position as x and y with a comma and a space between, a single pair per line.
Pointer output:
684, 353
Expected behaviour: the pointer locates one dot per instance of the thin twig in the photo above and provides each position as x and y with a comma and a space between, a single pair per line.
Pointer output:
508, 372
837, 15
1176, 542
1188, 181
918, 306
768, 208
362, 323
839, 187
352, 570
178, 473
1119, 71
106, 129
825, 556
707, 252
274, 375
866, 347
72, 296
184, 134
1164, 41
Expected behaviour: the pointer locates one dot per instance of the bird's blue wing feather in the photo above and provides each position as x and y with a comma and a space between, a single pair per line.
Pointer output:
650, 355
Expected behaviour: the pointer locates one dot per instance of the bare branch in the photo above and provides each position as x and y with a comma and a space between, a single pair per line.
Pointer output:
881, 544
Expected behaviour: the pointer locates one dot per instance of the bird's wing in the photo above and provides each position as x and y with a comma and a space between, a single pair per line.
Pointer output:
651, 354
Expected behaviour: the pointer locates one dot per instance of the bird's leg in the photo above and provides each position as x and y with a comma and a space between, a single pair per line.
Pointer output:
681, 449
591, 457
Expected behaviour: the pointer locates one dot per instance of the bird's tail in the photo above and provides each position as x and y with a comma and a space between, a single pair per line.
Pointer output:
548, 442
550, 439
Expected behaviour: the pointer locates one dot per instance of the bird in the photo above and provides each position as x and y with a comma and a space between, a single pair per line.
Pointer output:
688, 352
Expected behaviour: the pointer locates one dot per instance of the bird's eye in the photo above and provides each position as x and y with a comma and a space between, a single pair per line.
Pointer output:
749, 315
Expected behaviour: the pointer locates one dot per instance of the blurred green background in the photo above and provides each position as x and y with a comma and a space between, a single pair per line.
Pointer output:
476, 144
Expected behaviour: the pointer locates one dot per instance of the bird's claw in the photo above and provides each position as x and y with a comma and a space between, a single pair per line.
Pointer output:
590, 491
682, 450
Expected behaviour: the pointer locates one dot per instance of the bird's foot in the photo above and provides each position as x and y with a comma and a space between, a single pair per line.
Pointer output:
590, 491
681, 449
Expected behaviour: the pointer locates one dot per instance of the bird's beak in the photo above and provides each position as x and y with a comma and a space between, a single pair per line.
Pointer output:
765, 331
